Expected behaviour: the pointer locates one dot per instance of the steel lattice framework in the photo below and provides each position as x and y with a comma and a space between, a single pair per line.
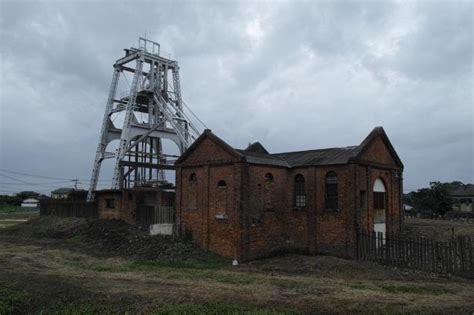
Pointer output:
155, 93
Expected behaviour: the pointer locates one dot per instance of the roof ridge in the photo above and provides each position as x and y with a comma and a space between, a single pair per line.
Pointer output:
312, 150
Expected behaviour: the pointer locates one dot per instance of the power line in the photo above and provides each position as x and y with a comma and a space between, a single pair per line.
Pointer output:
31, 175
48, 183
48, 177
19, 180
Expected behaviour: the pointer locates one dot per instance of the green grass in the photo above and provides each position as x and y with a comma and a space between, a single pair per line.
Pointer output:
210, 263
167, 309
218, 308
358, 286
15, 209
10, 303
432, 290
18, 215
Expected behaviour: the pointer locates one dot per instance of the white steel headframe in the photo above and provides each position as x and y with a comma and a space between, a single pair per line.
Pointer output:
139, 156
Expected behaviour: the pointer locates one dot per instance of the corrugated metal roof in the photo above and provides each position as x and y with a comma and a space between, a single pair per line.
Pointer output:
303, 158
262, 158
467, 190
319, 157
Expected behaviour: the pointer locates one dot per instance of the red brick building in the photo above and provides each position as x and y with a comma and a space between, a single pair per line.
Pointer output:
249, 203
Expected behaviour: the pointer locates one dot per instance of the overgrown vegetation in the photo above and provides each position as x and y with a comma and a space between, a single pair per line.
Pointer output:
78, 266
434, 200
15, 209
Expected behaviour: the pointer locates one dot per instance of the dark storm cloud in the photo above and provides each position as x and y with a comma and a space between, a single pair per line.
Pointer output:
294, 75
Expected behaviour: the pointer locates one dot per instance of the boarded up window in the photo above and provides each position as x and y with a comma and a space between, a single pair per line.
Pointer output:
268, 192
379, 200
193, 186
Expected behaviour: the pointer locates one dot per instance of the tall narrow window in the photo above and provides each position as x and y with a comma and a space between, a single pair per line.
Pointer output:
221, 199
331, 191
192, 192
268, 192
380, 210
300, 192
363, 199
379, 194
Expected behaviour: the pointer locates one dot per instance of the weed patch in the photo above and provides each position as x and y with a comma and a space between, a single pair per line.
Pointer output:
210, 263
218, 308
357, 286
432, 290
11, 303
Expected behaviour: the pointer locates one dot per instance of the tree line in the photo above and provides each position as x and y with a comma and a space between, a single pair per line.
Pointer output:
435, 200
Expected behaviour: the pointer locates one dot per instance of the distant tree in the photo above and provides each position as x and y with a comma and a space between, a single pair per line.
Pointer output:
408, 198
434, 200
27, 194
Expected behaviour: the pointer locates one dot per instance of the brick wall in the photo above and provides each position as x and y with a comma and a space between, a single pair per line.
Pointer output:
106, 212
265, 209
258, 218
211, 214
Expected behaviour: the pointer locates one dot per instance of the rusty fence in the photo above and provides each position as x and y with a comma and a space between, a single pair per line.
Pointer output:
454, 256
68, 208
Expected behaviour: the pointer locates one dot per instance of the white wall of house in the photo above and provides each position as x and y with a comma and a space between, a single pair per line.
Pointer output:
30, 203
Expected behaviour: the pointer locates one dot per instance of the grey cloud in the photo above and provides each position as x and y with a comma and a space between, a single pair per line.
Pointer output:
294, 75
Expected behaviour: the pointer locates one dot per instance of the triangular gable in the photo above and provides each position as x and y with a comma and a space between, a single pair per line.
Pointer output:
368, 151
207, 135
256, 147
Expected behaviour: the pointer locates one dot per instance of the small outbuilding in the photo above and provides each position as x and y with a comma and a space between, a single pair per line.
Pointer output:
30, 203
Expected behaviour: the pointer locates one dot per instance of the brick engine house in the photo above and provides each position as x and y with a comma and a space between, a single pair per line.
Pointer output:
250, 203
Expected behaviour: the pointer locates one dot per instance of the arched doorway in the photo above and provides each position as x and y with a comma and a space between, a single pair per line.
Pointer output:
380, 207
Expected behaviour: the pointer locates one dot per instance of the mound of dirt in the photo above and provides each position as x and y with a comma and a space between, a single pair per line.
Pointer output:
110, 237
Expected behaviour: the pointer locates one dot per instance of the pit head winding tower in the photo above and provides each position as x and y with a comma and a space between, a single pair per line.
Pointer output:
152, 110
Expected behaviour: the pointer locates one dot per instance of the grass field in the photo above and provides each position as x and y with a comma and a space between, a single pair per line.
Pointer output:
11, 215
68, 273
438, 229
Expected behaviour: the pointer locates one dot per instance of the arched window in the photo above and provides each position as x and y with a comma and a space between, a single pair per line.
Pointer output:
221, 184
300, 192
268, 178
380, 212
331, 191
379, 194
193, 178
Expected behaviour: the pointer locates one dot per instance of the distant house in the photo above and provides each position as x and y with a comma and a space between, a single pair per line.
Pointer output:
69, 193
30, 203
463, 198
408, 210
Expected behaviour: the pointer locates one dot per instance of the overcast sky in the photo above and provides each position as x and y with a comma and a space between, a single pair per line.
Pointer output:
293, 75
